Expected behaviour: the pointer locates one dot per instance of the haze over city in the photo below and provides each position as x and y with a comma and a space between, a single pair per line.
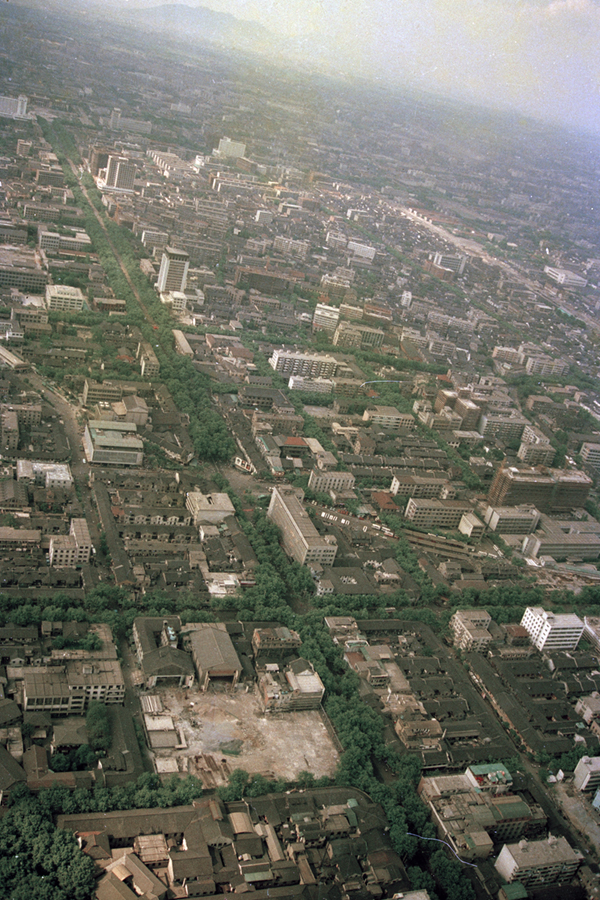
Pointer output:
539, 57
299, 451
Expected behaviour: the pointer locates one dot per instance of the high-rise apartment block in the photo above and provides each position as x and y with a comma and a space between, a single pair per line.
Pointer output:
173, 271
548, 631
120, 173
301, 540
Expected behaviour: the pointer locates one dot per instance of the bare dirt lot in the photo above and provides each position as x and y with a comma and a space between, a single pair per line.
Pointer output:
279, 746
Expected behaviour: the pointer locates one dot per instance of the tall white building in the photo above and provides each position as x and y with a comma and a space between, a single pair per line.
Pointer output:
549, 631
538, 862
173, 271
325, 318
288, 362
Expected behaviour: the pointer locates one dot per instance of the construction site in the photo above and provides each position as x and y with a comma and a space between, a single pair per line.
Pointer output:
209, 734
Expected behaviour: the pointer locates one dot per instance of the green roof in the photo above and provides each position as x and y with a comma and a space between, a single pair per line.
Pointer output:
515, 891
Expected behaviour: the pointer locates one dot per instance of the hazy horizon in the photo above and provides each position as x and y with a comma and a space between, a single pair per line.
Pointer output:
536, 57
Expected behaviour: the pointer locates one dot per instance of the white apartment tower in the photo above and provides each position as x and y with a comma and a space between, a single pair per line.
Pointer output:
174, 267
548, 631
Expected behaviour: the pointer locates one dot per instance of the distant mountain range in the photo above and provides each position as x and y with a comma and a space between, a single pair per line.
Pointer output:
200, 22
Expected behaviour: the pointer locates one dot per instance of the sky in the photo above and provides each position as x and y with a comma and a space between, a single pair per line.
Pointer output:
540, 57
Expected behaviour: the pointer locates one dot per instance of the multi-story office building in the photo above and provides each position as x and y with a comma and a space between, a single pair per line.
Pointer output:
291, 247
561, 540
210, 509
13, 232
590, 454
172, 275
231, 149
587, 773
120, 173
564, 277
54, 476
436, 513
422, 486
535, 449
541, 364
52, 241
310, 385
512, 519
388, 417
100, 392
468, 411
534, 863
321, 481
325, 318
452, 261
352, 334
548, 491
67, 690
301, 540
503, 427
9, 428
508, 354
64, 298
549, 631
73, 549
315, 365
470, 628
149, 364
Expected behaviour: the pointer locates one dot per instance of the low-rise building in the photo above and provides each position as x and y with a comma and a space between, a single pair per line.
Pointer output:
52, 476
388, 417
162, 662
209, 509
213, 654
112, 443
298, 687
